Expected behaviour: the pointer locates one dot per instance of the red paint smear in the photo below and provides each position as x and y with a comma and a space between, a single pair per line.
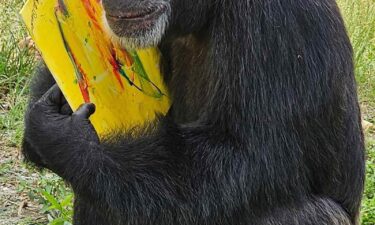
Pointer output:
112, 61
83, 85
84, 90
116, 68
132, 78
83, 82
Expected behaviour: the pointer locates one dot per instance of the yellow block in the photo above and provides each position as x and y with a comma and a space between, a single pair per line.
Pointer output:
126, 86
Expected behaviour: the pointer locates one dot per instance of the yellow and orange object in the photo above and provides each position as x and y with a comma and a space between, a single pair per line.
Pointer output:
125, 85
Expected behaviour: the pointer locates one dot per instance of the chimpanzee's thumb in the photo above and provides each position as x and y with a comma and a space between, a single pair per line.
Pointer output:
85, 111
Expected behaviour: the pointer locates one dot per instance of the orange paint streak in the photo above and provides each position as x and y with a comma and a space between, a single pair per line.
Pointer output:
104, 52
128, 59
92, 14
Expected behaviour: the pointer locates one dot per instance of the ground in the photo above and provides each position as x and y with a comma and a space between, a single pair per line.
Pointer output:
15, 205
29, 196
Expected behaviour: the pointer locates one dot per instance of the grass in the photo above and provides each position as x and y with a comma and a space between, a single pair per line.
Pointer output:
360, 20
16, 65
54, 198
368, 206
359, 16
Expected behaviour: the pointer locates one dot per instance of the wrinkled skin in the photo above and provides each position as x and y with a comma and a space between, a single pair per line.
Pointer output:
264, 128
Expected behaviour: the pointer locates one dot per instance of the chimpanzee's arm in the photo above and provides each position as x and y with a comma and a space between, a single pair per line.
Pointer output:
153, 175
147, 176
41, 82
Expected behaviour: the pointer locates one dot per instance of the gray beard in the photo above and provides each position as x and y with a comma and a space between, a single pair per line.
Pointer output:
143, 39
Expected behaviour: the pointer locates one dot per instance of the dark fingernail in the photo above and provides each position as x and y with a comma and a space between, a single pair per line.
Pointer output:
91, 107
85, 110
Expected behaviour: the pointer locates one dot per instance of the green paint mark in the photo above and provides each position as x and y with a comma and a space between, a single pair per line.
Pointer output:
147, 86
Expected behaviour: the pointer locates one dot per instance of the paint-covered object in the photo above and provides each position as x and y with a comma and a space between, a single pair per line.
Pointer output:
126, 86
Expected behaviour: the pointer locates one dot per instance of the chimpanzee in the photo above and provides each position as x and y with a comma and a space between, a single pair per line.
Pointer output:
264, 128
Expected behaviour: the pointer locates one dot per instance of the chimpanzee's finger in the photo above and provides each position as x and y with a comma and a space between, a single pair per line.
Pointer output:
50, 101
85, 111
53, 96
66, 109
63, 100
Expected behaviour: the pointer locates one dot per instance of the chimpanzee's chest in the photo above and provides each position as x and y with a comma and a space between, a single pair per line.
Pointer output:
184, 67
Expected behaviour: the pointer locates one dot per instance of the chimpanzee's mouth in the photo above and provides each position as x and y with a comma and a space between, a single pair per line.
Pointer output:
137, 27
138, 15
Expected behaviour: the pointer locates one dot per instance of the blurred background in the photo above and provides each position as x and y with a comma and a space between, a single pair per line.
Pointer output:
30, 197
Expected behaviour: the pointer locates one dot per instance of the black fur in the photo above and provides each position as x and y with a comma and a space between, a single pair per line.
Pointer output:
264, 128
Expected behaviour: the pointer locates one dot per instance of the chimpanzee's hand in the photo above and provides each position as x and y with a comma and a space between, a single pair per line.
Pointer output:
52, 133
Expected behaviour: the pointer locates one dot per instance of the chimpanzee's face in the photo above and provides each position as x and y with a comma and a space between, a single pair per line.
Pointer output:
137, 23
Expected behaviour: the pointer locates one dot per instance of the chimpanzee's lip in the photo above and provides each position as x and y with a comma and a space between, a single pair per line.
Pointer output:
138, 15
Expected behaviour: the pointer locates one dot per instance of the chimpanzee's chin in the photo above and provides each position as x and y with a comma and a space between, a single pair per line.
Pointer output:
138, 32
